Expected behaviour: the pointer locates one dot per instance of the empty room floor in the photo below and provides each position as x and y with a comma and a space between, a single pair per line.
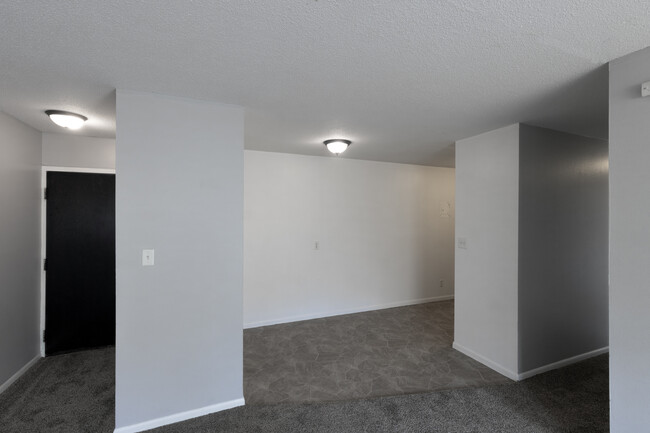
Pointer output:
377, 353
347, 363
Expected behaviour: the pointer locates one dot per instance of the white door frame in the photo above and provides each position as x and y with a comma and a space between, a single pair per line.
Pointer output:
44, 171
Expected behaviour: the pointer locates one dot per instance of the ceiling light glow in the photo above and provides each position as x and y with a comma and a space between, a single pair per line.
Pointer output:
66, 119
337, 146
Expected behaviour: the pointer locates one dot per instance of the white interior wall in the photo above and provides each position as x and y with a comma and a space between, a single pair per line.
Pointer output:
179, 191
382, 239
20, 201
629, 299
67, 150
487, 214
394, 194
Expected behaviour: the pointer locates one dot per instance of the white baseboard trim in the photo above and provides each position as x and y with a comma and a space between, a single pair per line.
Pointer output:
19, 373
562, 363
178, 417
350, 311
485, 361
530, 373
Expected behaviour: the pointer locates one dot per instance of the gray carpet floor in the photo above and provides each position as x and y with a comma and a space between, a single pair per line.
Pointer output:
377, 353
75, 392
65, 393
570, 400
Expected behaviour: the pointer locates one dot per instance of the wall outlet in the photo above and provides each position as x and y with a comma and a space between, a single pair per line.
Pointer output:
316, 245
645, 89
147, 257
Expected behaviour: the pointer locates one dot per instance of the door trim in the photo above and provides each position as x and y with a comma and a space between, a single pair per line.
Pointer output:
44, 170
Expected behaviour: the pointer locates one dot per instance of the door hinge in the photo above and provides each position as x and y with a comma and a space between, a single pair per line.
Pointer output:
44, 193
45, 264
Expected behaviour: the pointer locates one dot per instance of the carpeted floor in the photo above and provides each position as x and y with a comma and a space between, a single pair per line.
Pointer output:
65, 393
75, 392
570, 400
377, 353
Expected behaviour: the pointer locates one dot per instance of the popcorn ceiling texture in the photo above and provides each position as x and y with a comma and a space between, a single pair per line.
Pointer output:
402, 79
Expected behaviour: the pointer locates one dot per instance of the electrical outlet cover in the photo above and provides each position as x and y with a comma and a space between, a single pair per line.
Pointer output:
147, 257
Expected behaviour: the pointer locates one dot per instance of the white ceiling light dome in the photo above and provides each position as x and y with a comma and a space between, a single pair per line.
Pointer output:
337, 145
66, 119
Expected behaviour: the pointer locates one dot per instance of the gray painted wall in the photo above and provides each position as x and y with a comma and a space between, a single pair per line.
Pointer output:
179, 190
563, 246
629, 129
531, 284
487, 194
67, 150
20, 210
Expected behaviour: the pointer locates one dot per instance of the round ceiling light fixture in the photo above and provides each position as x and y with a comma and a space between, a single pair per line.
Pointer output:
337, 145
66, 119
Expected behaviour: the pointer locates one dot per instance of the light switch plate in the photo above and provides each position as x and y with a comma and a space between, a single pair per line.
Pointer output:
645, 89
147, 257
462, 243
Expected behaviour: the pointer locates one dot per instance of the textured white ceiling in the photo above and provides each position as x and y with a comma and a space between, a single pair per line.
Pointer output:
402, 79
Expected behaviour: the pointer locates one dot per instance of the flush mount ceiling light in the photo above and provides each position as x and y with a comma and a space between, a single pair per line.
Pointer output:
66, 119
337, 146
